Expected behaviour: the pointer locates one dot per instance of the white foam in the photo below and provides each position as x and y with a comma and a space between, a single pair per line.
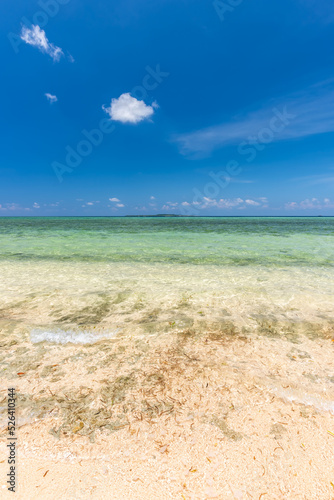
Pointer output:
68, 336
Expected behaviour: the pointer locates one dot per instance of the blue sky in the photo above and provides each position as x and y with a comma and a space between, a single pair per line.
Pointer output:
188, 107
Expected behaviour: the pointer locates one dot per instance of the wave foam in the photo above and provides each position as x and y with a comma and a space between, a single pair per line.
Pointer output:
68, 336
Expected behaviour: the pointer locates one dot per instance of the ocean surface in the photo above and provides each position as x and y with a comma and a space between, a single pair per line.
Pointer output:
62, 275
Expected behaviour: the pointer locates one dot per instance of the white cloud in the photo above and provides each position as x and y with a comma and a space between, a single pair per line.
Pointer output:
152, 197
310, 204
37, 38
168, 207
224, 203
128, 109
12, 206
253, 203
36, 205
120, 205
90, 203
114, 200
51, 98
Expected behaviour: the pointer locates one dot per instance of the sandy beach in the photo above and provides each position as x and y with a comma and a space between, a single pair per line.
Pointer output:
216, 415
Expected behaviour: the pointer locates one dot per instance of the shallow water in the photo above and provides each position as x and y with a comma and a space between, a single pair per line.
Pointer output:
156, 274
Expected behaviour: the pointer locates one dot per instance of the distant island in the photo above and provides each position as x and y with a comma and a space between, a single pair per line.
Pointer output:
159, 215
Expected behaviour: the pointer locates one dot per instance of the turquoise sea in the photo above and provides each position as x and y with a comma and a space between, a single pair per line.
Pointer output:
245, 241
143, 274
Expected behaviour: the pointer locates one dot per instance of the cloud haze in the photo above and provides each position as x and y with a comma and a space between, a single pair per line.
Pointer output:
51, 98
37, 38
294, 116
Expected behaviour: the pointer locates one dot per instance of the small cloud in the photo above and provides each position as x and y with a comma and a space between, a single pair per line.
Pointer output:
13, 207
252, 203
128, 109
120, 205
36, 205
114, 199
89, 203
209, 203
37, 38
51, 98
291, 205
310, 204
152, 197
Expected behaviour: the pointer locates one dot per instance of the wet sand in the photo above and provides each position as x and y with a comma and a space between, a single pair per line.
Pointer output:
218, 414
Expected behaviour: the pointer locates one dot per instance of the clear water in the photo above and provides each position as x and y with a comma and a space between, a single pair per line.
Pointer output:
155, 274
